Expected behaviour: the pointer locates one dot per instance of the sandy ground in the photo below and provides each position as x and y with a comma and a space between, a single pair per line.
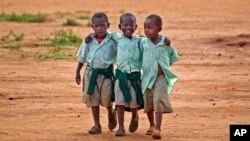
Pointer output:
39, 100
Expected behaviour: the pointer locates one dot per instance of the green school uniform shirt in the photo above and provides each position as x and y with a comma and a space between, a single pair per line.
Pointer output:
128, 65
128, 52
154, 55
98, 56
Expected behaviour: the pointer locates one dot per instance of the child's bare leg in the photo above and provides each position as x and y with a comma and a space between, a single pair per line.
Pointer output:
110, 110
120, 115
134, 120
151, 118
111, 118
96, 129
96, 114
150, 115
158, 119
134, 113
157, 132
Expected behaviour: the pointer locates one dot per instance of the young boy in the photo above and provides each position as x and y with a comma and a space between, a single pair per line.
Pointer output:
128, 91
99, 54
157, 78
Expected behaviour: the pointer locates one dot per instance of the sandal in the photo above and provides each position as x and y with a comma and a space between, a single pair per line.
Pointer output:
156, 134
120, 132
150, 130
134, 124
112, 121
96, 129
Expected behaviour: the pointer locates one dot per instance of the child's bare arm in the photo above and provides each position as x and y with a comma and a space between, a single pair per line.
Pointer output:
78, 75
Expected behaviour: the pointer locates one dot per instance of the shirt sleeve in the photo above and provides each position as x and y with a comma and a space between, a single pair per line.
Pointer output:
140, 45
115, 35
82, 52
173, 55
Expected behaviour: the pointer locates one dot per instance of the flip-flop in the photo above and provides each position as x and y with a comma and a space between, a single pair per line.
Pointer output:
95, 130
156, 134
134, 124
150, 130
120, 132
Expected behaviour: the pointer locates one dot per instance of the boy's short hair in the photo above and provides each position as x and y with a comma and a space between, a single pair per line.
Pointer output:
157, 19
127, 15
100, 15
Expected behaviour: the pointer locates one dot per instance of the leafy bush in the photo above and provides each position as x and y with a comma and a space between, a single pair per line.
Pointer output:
63, 37
56, 55
71, 22
12, 40
63, 43
37, 18
84, 15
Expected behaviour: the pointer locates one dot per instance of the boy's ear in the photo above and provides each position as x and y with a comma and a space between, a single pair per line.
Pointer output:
119, 25
160, 28
135, 26
108, 25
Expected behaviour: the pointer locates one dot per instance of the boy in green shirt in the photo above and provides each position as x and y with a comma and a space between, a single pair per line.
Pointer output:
128, 91
99, 54
157, 77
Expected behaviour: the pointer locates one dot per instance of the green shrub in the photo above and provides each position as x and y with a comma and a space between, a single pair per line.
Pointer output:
71, 22
12, 40
37, 18
84, 15
64, 44
63, 37
56, 55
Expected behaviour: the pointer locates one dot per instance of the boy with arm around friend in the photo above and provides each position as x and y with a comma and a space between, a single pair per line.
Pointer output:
99, 55
157, 78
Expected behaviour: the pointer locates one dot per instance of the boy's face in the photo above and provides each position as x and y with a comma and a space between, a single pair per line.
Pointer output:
100, 26
128, 26
151, 29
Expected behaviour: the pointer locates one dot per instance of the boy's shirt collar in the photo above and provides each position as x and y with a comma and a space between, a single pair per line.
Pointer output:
160, 43
104, 40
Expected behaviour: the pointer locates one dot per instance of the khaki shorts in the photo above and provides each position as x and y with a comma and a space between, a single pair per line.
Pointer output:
102, 92
119, 98
157, 98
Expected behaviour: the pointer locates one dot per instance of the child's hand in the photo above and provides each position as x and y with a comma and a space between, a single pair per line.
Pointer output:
167, 42
88, 39
78, 78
